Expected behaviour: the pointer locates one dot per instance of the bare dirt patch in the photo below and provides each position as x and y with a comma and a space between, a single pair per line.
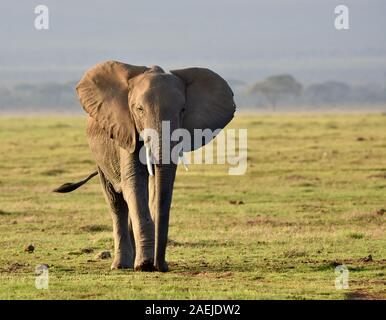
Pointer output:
15, 268
95, 228
205, 274
53, 172
377, 176
4, 213
297, 177
364, 295
236, 202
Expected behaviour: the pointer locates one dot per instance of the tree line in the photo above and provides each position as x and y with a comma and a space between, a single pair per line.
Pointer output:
285, 90
269, 93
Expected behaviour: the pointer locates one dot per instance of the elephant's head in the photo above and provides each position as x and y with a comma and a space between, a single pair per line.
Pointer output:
126, 99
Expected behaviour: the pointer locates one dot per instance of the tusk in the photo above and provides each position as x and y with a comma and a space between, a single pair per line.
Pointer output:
183, 160
148, 161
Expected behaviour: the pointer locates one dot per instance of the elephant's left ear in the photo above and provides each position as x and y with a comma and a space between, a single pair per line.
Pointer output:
209, 100
103, 93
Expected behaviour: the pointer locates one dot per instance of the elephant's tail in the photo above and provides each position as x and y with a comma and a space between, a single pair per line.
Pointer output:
68, 187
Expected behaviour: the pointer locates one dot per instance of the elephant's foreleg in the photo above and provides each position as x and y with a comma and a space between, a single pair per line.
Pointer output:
135, 191
164, 181
124, 247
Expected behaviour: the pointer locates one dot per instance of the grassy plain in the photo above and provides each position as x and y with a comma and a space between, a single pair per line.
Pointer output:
312, 199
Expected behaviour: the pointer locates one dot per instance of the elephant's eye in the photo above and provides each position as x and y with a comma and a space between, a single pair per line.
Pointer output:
140, 108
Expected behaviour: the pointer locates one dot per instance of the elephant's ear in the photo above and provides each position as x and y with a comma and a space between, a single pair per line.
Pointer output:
209, 101
103, 93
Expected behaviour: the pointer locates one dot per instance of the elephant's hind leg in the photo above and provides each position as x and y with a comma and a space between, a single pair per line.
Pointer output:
124, 247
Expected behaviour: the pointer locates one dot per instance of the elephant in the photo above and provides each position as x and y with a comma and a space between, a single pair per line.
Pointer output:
121, 101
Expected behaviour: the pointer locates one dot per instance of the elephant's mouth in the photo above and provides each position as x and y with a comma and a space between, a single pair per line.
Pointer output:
150, 160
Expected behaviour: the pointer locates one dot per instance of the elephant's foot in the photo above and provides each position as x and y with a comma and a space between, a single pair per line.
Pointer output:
147, 266
162, 266
122, 262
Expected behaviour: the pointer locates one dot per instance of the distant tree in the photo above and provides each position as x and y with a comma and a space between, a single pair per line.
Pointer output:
45, 95
368, 93
5, 97
330, 92
277, 87
26, 87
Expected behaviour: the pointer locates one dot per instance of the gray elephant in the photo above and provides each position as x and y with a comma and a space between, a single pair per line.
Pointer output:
122, 101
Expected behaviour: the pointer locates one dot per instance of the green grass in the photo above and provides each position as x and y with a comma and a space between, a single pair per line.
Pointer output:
309, 202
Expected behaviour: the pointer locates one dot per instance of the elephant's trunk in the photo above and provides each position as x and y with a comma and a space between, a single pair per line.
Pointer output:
164, 181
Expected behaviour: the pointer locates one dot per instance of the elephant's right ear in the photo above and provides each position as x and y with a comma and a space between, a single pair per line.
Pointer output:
103, 93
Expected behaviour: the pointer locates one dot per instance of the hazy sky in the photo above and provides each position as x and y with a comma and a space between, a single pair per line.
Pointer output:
243, 40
